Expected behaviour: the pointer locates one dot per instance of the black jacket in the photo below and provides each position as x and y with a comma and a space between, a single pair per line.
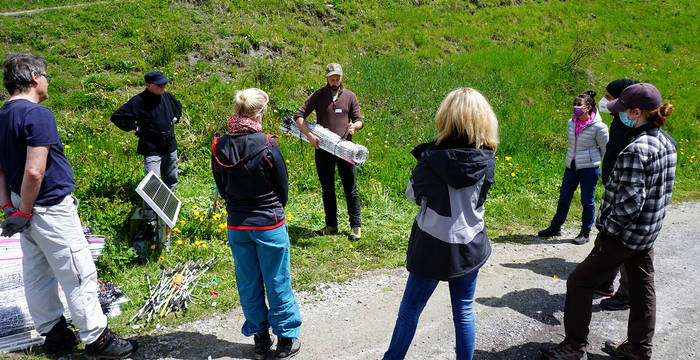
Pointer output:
619, 139
450, 183
155, 116
251, 176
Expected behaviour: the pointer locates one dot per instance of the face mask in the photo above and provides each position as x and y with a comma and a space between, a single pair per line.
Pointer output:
579, 110
603, 105
625, 120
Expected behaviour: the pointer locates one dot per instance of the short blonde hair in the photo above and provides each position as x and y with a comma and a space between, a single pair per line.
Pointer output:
466, 113
250, 102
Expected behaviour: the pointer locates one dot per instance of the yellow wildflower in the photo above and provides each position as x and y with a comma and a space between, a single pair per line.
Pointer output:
85, 171
89, 146
512, 174
204, 245
67, 146
153, 247
351, 246
508, 158
555, 276
177, 230
104, 152
179, 242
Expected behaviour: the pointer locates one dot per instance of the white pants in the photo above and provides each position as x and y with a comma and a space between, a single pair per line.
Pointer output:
55, 251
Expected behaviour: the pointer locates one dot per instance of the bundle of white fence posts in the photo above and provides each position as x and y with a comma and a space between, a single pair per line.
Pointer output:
173, 291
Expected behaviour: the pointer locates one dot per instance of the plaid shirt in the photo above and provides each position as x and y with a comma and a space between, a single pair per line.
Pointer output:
639, 189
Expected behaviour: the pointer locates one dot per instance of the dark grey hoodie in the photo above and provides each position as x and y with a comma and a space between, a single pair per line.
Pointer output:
450, 183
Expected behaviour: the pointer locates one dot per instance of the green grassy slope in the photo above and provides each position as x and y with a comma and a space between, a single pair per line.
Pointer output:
529, 59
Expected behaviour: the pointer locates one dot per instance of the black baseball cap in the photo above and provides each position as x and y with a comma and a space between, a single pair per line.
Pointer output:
643, 96
156, 77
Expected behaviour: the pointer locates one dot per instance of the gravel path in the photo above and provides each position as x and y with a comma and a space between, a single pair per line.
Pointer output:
22, 12
519, 306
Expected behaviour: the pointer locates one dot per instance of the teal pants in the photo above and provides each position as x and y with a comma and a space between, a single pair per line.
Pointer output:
262, 264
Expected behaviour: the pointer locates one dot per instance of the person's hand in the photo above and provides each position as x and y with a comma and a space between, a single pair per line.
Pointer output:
351, 128
314, 141
8, 209
15, 223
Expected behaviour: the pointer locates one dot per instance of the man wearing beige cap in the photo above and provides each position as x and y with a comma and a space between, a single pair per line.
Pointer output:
338, 110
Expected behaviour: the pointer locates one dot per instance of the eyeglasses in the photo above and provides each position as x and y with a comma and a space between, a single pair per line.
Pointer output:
47, 76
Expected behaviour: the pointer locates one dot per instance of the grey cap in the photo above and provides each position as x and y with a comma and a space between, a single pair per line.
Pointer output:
333, 69
643, 96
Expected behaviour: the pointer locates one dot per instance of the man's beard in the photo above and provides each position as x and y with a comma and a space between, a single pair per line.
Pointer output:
334, 88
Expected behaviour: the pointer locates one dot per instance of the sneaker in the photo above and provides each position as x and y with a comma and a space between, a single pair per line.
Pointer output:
327, 230
564, 351
581, 238
355, 234
263, 343
624, 350
552, 230
287, 347
615, 302
60, 339
110, 346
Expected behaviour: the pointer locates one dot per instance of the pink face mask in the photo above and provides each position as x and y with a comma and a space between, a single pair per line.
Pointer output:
579, 110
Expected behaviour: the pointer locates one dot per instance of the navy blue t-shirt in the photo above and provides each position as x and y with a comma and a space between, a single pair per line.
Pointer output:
24, 123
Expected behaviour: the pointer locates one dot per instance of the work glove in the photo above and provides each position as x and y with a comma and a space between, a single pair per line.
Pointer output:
8, 209
15, 223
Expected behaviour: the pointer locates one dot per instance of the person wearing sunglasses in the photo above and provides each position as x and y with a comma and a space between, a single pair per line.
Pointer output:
153, 114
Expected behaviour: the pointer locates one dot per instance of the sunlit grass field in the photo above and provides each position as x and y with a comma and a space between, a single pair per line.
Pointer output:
529, 59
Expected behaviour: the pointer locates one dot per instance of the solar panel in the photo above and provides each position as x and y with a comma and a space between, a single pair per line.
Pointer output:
159, 198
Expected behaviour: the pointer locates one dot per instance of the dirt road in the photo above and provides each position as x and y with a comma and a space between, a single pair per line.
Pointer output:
519, 306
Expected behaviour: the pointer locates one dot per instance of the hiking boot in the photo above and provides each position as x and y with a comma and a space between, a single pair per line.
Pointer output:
552, 230
615, 302
581, 238
604, 290
624, 350
355, 234
110, 346
60, 339
263, 343
327, 230
287, 347
564, 351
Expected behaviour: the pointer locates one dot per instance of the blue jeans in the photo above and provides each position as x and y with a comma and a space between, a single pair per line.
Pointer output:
416, 295
588, 178
262, 263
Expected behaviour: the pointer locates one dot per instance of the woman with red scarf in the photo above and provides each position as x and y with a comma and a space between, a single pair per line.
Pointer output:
251, 176
588, 136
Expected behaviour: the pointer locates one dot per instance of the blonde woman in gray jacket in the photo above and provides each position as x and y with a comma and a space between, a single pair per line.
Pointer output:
588, 136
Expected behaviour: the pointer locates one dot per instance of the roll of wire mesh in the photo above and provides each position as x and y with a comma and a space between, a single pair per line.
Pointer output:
329, 141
